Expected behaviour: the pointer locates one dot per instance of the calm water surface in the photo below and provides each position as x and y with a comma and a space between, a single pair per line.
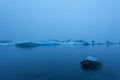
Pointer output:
58, 63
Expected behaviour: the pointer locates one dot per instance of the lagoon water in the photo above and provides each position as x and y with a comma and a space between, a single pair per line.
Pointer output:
58, 63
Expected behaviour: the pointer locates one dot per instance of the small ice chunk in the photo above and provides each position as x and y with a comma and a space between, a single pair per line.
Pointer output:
91, 58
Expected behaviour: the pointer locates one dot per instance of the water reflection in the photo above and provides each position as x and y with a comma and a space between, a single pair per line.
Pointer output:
58, 63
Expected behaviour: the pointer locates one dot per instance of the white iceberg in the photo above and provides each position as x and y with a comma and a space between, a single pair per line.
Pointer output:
91, 58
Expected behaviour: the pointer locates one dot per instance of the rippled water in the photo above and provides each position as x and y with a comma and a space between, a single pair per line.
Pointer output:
58, 63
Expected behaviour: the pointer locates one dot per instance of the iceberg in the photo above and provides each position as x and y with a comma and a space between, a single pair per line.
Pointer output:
109, 43
48, 43
35, 44
91, 63
91, 58
6, 42
85, 44
27, 45
53, 42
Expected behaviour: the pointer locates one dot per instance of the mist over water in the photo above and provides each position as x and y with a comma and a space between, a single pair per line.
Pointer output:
64, 19
27, 26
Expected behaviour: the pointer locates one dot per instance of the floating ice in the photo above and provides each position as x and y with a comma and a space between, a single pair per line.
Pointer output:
35, 44
56, 42
6, 42
91, 63
85, 43
27, 45
48, 43
91, 58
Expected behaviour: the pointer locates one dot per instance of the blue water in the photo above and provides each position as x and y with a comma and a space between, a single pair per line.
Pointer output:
58, 63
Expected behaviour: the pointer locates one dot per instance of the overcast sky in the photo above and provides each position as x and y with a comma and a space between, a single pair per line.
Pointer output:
60, 19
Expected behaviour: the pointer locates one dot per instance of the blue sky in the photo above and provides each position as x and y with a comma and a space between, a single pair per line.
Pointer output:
60, 19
